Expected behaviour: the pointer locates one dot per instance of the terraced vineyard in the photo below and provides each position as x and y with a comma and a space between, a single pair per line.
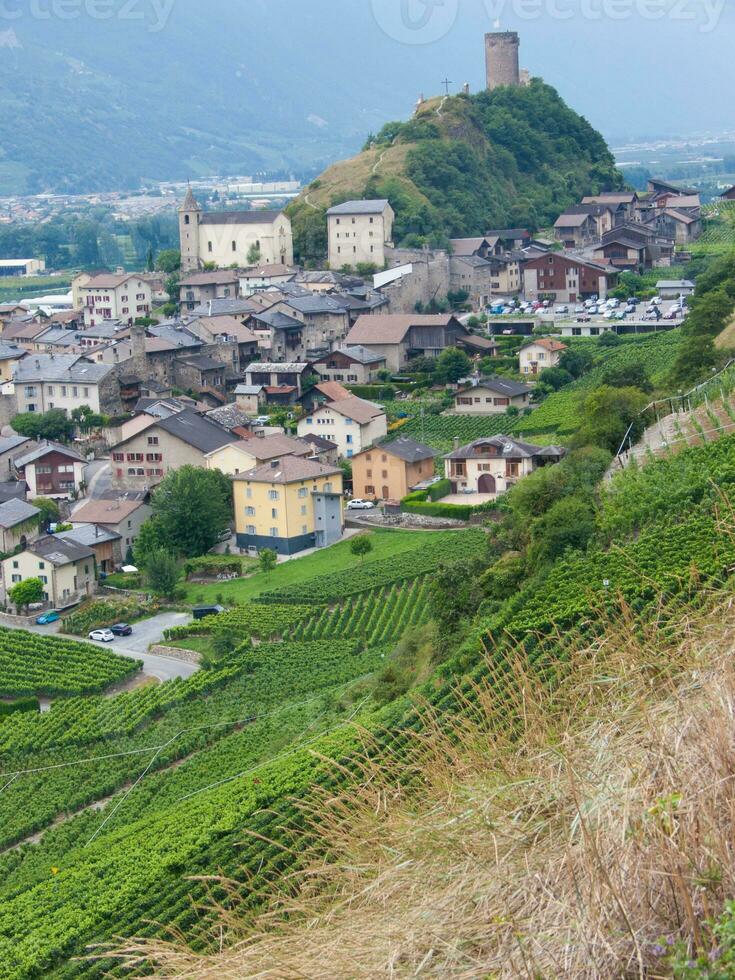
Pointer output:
440, 431
374, 618
719, 229
35, 664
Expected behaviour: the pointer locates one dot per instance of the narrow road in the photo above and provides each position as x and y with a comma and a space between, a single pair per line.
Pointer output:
146, 632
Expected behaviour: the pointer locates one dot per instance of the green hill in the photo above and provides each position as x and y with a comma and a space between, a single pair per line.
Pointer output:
509, 158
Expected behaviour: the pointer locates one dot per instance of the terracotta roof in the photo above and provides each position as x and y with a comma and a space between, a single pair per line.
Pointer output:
333, 390
289, 469
546, 342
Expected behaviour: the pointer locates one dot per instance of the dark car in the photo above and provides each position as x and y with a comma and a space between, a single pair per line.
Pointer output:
121, 629
200, 612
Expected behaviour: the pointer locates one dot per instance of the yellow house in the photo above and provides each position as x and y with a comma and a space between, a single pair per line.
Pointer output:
66, 569
237, 457
288, 505
9, 357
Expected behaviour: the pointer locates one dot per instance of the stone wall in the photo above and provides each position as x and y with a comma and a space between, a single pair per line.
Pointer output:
429, 279
175, 653
21, 622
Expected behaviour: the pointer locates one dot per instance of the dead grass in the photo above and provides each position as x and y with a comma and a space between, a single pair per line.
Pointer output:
544, 831
725, 340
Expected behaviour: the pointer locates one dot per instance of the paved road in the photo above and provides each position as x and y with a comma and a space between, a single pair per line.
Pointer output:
145, 632
98, 477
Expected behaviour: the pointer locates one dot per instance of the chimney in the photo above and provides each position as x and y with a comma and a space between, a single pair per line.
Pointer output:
456, 443
275, 464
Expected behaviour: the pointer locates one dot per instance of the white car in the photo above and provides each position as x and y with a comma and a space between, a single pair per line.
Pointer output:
102, 636
358, 504
262, 420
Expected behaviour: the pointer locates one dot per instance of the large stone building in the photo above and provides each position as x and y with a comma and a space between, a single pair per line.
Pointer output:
358, 233
227, 237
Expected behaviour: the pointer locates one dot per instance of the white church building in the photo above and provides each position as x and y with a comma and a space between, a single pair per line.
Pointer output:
226, 238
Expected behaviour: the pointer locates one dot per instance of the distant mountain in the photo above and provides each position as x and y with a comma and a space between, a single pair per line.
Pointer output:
508, 158
223, 87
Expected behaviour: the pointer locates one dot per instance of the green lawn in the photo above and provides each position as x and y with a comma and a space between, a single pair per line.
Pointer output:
385, 544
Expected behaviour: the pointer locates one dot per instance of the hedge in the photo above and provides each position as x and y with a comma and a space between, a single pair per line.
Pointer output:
381, 393
456, 512
439, 489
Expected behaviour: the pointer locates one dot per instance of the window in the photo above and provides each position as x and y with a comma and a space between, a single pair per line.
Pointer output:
251, 529
303, 511
250, 512
304, 492
249, 492
63, 387
17, 578
152, 440
310, 421
349, 440
86, 392
234, 246
210, 246
273, 495
274, 532
50, 389
274, 513
385, 474
304, 529
186, 219
118, 457
42, 564
368, 473
30, 392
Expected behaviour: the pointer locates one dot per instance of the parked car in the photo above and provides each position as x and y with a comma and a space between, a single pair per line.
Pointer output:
584, 318
225, 534
633, 301
562, 309
579, 309
656, 301
49, 617
201, 612
654, 314
262, 420
673, 314
102, 636
121, 629
358, 504
593, 310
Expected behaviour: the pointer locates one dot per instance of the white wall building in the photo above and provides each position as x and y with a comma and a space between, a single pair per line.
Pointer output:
353, 424
358, 233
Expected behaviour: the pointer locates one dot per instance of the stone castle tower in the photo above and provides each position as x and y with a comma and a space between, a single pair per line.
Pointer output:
190, 216
501, 59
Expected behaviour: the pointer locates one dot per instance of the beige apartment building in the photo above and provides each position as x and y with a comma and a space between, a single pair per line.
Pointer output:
353, 424
113, 297
65, 568
358, 233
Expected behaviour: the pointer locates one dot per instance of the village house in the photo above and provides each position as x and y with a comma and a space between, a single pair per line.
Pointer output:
575, 229
675, 288
263, 277
352, 423
478, 247
305, 326
52, 470
18, 520
226, 330
563, 279
11, 448
729, 194
103, 543
474, 276
9, 357
200, 287
322, 449
250, 398
491, 396
124, 297
65, 568
289, 505
400, 336
282, 383
540, 354
247, 454
358, 232
389, 471
492, 465
230, 238
623, 203
122, 516
510, 239
352, 365
144, 459
66, 381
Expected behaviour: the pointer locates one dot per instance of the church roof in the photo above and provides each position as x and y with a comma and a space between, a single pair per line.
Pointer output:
240, 217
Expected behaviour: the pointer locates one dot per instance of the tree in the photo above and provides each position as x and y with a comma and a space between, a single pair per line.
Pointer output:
254, 254
361, 546
50, 513
628, 376
26, 593
169, 261
162, 573
149, 540
609, 413
149, 259
575, 361
53, 425
555, 377
451, 365
569, 523
267, 559
191, 508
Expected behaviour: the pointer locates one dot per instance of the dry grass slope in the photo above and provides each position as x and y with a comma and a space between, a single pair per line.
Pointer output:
546, 831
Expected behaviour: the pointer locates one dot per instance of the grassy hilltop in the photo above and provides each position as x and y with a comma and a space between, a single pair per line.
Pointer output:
509, 158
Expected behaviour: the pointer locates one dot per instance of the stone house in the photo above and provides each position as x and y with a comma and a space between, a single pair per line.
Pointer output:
398, 337
200, 287
66, 381
351, 365
18, 521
